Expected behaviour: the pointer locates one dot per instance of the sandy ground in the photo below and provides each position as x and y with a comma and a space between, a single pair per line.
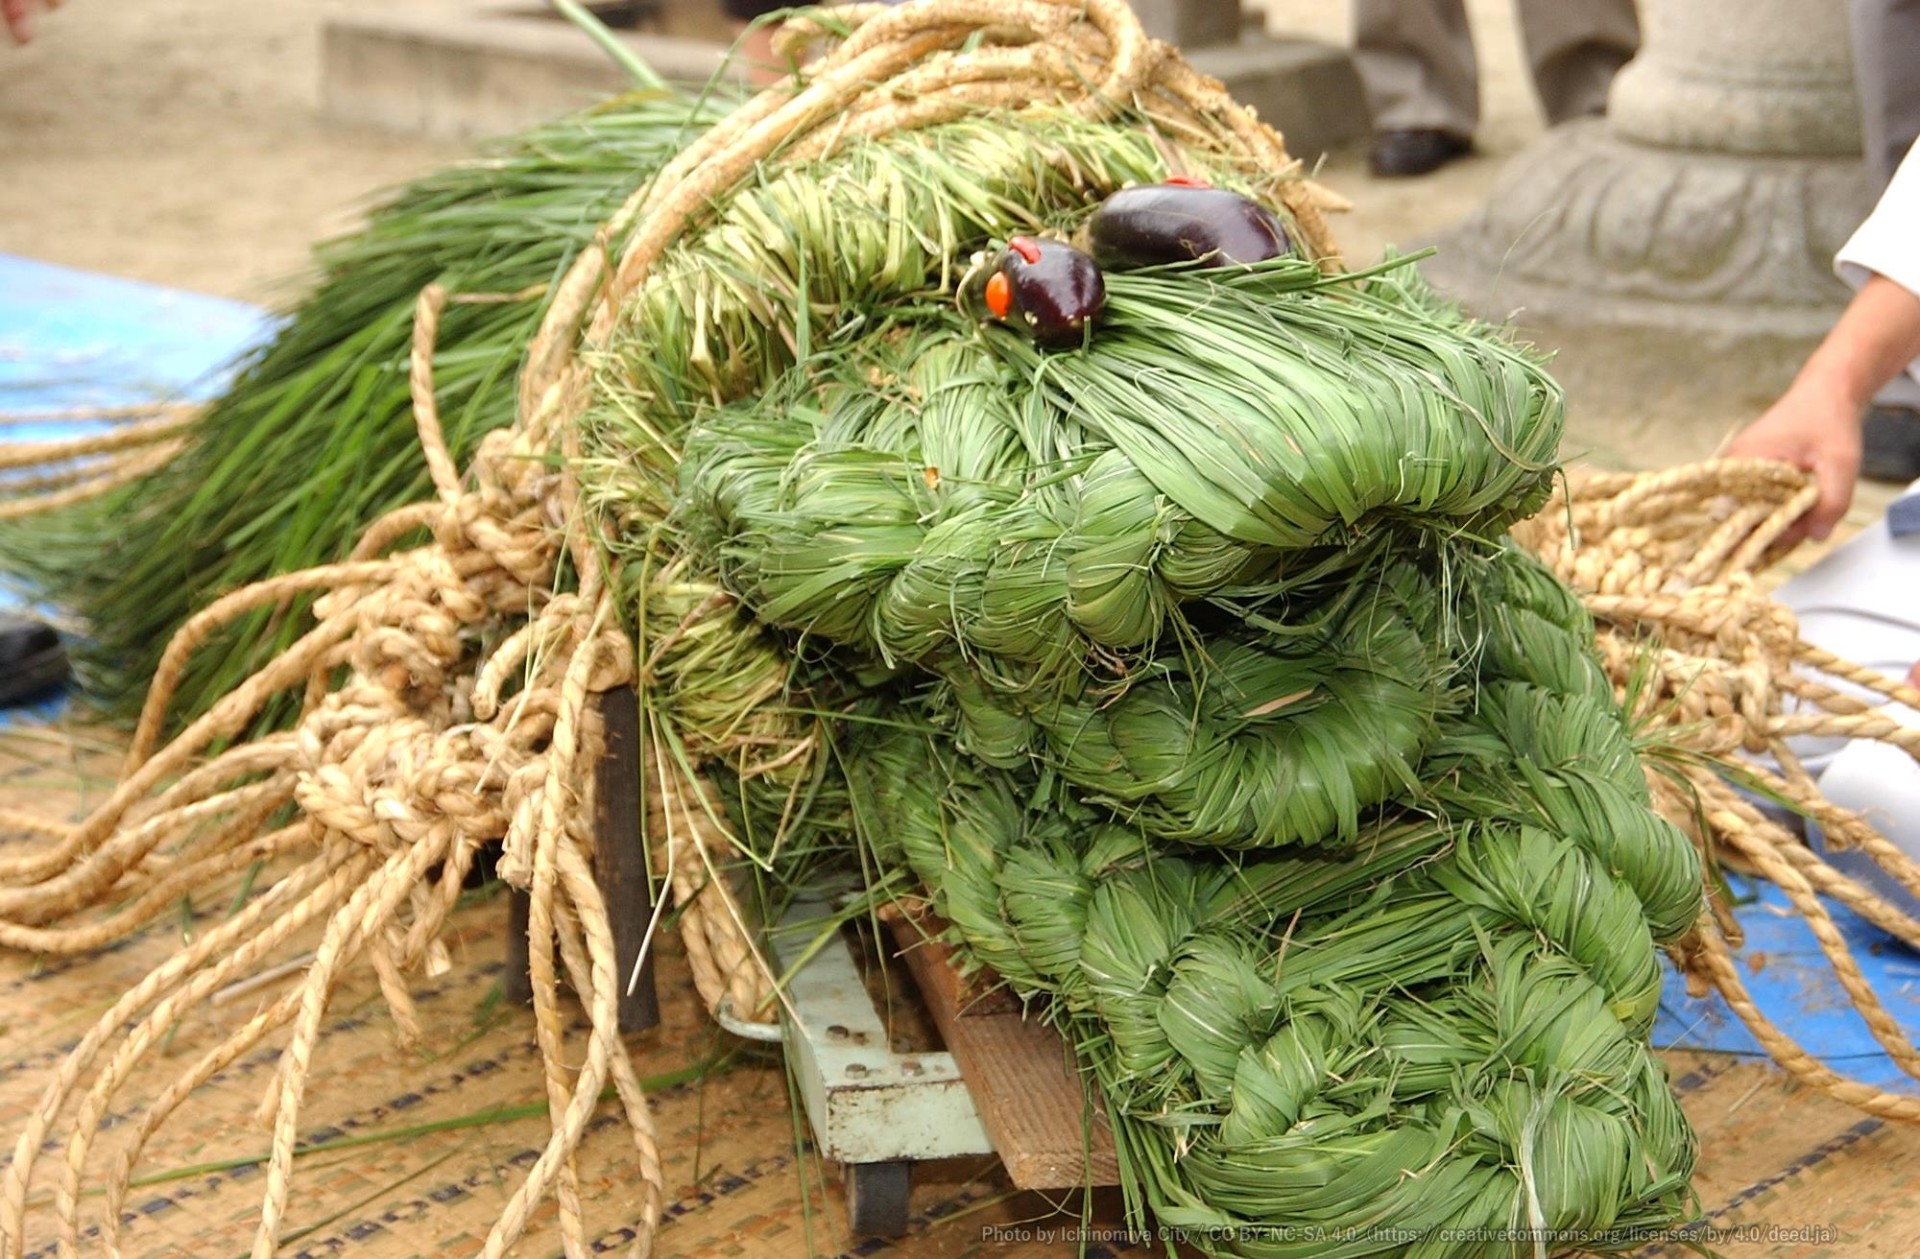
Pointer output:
176, 141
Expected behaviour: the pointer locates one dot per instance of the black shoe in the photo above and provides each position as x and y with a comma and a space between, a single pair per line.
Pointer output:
1890, 445
31, 659
1416, 152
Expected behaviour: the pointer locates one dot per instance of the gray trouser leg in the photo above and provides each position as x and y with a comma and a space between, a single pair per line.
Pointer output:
1886, 64
1415, 59
1573, 48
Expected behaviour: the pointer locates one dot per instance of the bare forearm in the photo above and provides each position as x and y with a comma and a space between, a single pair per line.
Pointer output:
1874, 341
1816, 423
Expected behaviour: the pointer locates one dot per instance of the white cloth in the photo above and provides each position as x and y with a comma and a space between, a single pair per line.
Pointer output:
1861, 603
1888, 243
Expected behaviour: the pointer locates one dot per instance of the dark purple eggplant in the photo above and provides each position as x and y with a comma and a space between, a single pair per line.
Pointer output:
1183, 222
1048, 287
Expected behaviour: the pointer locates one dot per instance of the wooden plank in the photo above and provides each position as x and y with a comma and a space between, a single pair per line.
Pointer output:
516, 981
1047, 1127
619, 867
620, 855
917, 932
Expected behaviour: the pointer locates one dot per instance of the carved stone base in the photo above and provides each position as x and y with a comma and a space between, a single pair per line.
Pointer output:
1583, 227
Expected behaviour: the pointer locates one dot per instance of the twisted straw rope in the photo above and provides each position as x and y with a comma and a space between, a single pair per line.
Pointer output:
64, 473
1668, 564
425, 753
171, 423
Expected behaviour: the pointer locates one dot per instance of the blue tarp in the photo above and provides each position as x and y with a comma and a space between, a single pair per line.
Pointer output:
73, 339
1792, 983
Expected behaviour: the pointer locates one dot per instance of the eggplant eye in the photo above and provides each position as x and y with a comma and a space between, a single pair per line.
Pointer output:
999, 295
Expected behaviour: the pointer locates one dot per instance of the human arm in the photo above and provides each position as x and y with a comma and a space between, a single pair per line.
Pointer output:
1816, 423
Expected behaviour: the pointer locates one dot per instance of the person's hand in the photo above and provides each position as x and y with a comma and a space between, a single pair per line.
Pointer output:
19, 16
1814, 426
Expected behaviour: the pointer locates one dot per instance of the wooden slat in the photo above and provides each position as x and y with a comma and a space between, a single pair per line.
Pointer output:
1047, 1127
918, 929
620, 855
516, 981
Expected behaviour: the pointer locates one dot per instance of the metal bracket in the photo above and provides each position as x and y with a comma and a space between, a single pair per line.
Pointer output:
867, 1104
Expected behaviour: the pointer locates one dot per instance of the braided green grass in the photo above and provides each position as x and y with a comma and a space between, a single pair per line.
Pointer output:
1183, 670
1187, 673
1273, 404
1391, 1053
909, 502
1592, 792
1245, 739
1529, 626
941, 496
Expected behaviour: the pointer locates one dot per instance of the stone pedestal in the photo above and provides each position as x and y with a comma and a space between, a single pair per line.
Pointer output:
1710, 199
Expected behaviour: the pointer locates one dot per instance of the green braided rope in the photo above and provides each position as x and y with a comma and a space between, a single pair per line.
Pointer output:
959, 491
1251, 739
1459, 1006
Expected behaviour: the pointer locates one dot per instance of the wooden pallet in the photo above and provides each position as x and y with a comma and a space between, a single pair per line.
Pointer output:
1043, 1116
1043, 1119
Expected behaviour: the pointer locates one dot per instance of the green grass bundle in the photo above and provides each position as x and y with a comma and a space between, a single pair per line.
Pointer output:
315, 438
1244, 738
1189, 674
734, 305
960, 491
1184, 670
1433, 1043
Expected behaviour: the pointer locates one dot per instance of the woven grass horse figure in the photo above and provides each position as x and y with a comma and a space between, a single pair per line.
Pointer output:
1183, 666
